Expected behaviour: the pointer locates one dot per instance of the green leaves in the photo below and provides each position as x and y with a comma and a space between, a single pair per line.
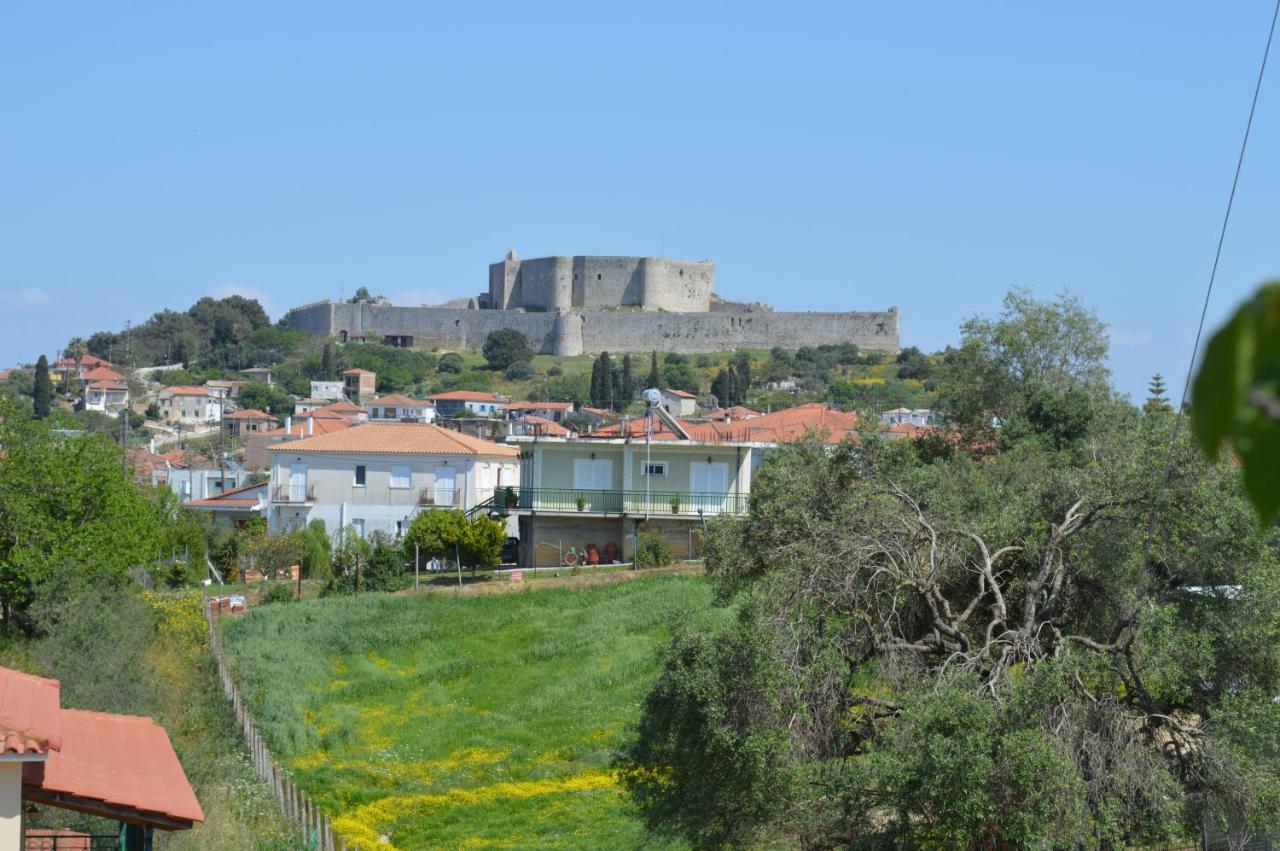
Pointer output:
1236, 396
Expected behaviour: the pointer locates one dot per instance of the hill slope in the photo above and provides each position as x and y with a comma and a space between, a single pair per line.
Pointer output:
461, 722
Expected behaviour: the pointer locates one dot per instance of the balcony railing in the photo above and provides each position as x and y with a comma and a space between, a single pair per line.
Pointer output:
620, 502
295, 494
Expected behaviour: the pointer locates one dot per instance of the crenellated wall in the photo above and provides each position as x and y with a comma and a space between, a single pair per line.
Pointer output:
598, 283
593, 331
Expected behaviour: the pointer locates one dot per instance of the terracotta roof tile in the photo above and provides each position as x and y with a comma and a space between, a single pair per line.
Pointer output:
186, 391
118, 760
241, 497
357, 372
29, 713
541, 425
397, 439
680, 393
103, 373
250, 414
540, 406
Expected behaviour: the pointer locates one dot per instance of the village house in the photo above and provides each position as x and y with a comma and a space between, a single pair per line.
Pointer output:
235, 506
601, 490
260, 374
330, 418
107, 397
532, 426
220, 389
189, 406
248, 421
678, 403
328, 390
359, 384
379, 476
907, 416
77, 368
400, 409
474, 402
553, 411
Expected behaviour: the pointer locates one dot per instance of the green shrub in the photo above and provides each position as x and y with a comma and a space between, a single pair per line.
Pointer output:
652, 550
520, 370
277, 592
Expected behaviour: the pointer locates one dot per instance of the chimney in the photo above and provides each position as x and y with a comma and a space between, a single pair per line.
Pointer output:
288, 425
151, 447
311, 425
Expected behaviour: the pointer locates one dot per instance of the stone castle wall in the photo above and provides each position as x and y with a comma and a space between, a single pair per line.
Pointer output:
591, 332
594, 283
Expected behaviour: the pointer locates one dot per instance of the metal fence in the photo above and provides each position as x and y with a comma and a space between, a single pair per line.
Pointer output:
630, 502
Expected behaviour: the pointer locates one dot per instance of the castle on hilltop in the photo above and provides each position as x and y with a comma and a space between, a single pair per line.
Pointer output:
587, 305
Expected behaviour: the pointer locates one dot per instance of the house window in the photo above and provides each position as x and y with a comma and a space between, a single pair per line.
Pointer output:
653, 468
400, 476
360, 475
389, 413
357, 523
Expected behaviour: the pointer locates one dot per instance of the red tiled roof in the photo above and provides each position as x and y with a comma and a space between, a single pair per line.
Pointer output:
778, 427
186, 391
318, 425
602, 413
6, 374
357, 372
29, 713
341, 407
539, 406
397, 400
102, 373
470, 396
112, 762
682, 394
89, 361
250, 414
397, 439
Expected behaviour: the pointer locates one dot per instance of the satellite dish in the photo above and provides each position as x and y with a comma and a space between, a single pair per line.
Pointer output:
653, 397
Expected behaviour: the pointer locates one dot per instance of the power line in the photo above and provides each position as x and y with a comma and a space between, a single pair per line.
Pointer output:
1208, 294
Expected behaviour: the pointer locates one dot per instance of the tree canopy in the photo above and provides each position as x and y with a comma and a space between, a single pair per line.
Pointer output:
1041, 642
505, 347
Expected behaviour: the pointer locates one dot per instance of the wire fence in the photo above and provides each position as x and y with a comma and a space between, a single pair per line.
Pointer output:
317, 832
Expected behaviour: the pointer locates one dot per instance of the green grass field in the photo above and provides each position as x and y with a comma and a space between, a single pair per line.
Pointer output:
453, 722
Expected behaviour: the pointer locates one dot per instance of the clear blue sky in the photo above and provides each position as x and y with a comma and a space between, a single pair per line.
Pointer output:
842, 156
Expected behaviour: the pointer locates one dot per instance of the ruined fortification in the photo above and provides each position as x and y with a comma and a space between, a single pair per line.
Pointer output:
586, 305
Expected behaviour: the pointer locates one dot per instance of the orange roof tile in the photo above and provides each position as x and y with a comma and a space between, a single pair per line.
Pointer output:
398, 439
29, 713
317, 425
241, 497
470, 396
682, 394
341, 407
357, 372
250, 414
778, 427
102, 373
186, 391
112, 762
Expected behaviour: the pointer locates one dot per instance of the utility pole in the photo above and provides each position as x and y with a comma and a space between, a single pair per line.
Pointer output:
416, 562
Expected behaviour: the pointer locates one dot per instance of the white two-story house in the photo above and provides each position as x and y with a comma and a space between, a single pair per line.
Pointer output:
396, 408
379, 476
189, 405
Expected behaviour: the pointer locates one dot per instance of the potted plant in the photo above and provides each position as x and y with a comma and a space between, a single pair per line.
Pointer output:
510, 497
675, 504
581, 502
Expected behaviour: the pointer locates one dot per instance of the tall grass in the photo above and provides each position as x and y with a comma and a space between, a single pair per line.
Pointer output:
432, 721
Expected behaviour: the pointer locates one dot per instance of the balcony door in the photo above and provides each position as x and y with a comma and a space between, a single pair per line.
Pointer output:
298, 483
592, 475
446, 484
710, 484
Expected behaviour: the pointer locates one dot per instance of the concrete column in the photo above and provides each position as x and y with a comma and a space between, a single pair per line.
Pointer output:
628, 468
10, 805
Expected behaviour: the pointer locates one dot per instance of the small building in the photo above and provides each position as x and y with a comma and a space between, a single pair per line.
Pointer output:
475, 402
400, 409
330, 391
197, 478
554, 411
335, 417
235, 506
302, 407
260, 374
119, 767
220, 389
907, 416
533, 426
732, 414
107, 397
189, 406
248, 421
359, 384
678, 403
102, 373
74, 369
379, 476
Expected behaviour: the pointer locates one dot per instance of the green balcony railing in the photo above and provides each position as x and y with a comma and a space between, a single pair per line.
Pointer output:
679, 503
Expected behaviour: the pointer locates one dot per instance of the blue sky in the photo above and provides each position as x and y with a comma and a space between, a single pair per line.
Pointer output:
842, 156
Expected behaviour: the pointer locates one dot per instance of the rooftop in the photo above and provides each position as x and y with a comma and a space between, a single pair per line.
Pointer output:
470, 396
250, 414
398, 439
102, 373
179, 390
246, 496
357, 372
399, 400
680, 393
29, 713
540, 406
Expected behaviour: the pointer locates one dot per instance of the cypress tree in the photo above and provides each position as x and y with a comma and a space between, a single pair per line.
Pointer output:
606, 381
628, 381
742, 366
42, 393
655, 377
326, 362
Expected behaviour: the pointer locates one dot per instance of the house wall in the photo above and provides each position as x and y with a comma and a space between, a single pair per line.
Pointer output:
544, 539
338, 500
10, 804
553, 466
